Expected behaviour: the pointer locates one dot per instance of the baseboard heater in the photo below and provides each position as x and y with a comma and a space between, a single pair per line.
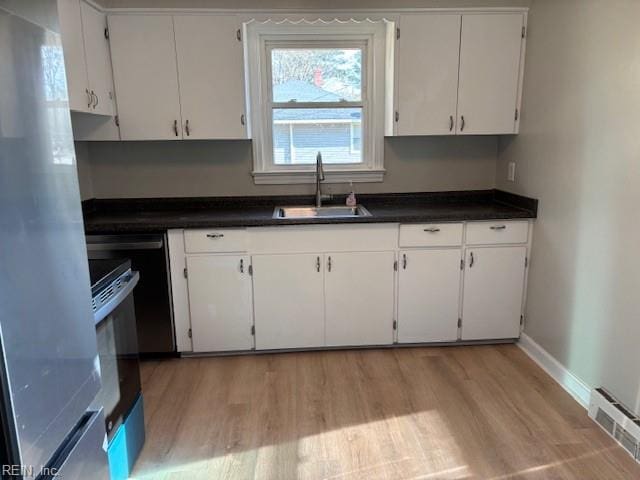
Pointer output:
617, 420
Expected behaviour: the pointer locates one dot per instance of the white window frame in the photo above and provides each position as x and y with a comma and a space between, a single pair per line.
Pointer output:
373, 38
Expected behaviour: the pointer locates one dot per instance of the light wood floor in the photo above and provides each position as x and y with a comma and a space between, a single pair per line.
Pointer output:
422, 413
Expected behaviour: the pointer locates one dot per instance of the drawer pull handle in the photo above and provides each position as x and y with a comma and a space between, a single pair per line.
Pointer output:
215, 235
471, 261
241, 265
432, 230
498, 227
404, 261
329, 264
318, 264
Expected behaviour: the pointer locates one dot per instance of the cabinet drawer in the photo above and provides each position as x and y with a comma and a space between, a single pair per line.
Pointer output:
431, 235
215, 240
492, 233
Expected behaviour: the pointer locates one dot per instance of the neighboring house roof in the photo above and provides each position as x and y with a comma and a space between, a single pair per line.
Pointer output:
302, 92
307, 92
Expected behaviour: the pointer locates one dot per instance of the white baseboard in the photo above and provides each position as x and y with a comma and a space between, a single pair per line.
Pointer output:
577, 388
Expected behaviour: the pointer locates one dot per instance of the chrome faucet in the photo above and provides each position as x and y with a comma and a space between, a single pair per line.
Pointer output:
319, 178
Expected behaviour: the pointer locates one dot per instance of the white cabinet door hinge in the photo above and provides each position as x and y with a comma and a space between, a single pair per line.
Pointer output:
106, 33
395, 266
185, 273
397, 33
461, 264
190, 334
395, 324
526, 262
459, 323
253, 330
250, 270
524, 31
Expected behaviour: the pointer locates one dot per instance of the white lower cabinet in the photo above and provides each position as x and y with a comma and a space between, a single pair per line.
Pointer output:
288, 301
429, 295
359, 298
220, 302
493, 289
327, 286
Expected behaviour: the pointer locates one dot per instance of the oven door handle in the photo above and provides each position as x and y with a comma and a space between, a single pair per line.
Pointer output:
117, 299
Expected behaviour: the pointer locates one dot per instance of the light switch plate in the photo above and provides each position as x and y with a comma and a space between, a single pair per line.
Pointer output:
511, 173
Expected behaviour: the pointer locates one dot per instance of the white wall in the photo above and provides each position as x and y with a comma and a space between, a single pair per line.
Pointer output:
217, 168
579, 153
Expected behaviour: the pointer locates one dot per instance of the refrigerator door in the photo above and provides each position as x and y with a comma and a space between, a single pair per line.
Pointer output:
51, 369
85, 457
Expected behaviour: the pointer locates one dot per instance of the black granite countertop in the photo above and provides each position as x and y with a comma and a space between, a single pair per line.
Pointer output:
155, 215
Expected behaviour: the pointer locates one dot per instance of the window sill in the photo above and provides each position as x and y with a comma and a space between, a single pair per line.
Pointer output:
292, 177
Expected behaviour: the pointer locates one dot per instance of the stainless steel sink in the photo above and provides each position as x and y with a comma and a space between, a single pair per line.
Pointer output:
309, 211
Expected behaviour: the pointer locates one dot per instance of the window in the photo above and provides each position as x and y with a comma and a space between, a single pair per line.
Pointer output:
317, 88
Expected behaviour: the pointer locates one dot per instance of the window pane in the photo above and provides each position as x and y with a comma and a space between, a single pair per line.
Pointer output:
300, 133
316, 75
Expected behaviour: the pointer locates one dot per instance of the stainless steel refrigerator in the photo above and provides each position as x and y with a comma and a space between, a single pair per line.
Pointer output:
49, 368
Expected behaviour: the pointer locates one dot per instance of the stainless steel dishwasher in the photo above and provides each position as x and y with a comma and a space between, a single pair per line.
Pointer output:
154, 312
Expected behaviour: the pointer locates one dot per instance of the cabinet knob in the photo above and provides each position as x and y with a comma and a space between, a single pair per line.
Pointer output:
186, 128
462, 124
175, 127
451, 123
241, 265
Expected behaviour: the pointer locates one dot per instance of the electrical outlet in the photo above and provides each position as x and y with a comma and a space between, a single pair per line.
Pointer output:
511, 173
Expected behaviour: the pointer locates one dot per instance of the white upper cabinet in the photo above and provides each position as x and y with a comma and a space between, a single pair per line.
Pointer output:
87, 58
74, 59
210, 71
493, 289
459, 73
98, 59
146, 76
428, 74
490, 56
359, 298
178, 77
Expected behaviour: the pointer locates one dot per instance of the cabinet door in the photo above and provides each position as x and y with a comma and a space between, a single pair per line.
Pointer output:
74, 55
428, 74
359, 298
288, 301
493, 288
429, 295
146, 76
210, 68
220, 303
489, 73
94, 24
